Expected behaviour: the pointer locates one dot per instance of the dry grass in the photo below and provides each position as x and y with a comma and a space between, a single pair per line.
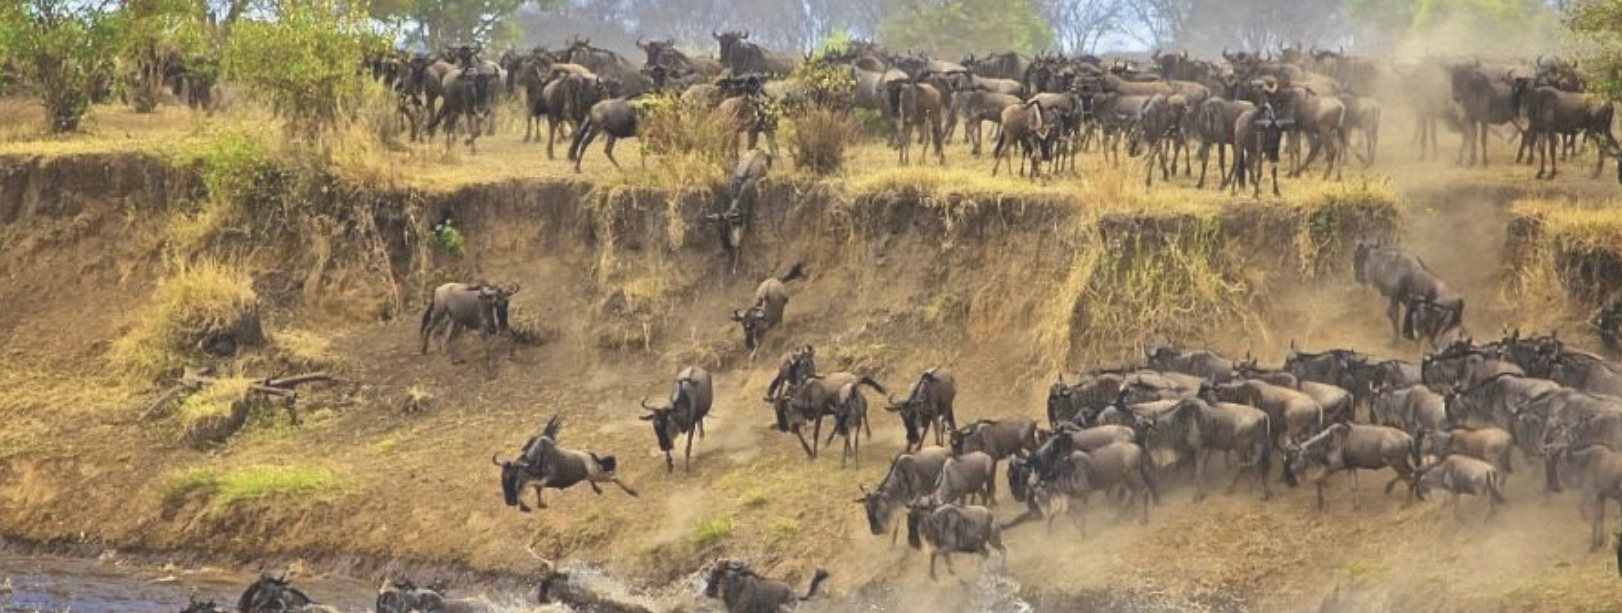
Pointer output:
196, 301
306, 348
1563, 259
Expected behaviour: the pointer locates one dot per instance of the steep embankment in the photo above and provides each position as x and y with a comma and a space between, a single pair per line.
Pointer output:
621, 286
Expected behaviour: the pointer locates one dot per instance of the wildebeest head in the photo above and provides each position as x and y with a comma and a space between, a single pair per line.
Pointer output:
724, 571
512, 476
271, 594
917, 512
754, 323
664, 422
1061, 402
193, 605
879, 507
493, 307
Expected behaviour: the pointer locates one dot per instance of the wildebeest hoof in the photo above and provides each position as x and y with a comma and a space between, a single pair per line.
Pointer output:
523, 509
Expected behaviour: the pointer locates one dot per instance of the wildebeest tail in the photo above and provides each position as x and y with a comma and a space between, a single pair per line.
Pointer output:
817, 580
607, 462
869, 381
427, 316
793, 274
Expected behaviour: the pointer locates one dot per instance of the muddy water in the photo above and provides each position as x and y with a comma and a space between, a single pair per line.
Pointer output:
109, 585
50, 584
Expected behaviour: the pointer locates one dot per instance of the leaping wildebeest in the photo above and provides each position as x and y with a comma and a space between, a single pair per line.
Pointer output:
545, 464
766, 312
743, 591
1405, 281
928, 404
689, 404
461, 306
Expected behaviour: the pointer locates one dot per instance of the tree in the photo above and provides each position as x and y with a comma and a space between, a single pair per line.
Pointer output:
951, 28
158, 34
64, 48
1078, 25
1599, 25
304, 58
444, 22
1411, 28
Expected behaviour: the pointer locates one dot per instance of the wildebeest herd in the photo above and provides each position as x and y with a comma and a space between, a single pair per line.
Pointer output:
1452, 422
1045, 109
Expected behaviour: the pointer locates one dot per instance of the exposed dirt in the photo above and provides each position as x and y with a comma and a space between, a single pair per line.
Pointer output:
628, 293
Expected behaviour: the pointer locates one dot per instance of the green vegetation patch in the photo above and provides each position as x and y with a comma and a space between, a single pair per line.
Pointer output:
711, 531
227, 487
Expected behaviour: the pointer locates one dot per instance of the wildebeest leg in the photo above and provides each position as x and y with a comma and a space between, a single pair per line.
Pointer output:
932, 556
623, 487
1392, 310
687, 462
1200, 458
1320, 487
451, 332
608, 150
1597, 535
809, 452
1357, 496
539, 503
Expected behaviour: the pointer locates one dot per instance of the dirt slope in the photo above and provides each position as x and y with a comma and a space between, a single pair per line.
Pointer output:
627, 293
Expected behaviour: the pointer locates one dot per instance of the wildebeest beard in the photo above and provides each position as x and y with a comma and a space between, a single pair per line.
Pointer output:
662, 426
909, 420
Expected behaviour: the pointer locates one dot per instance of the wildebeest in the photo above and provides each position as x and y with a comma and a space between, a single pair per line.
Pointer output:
974, 107
1551, 113
766, 312
1256, 136
1460, 474
1463, 365
470, 97
193, 604
1198, 428
928, 404
544, 464
911, 476
689, 404
1495, 401
916, 106
1292, 414
967, 474
1490, 444
1404, 279
405, 597
1200, 363
1352, 447
1067, 469
1585, 372
1411, 409
615, 118
1160, 129
950, 529
1363, 115
478, 307
794, 368
1597, 470
1214, 123
1022, 126
743, 591
272, 594
822, 396
567, 96
746, 115
734, 221
744, 57
1485, 100
999, 438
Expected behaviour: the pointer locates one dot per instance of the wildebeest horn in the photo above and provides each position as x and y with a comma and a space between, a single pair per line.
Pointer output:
495, 461
645, 403
514, 289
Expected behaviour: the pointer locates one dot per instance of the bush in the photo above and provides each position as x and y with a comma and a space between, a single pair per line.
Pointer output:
64, 50
304, 61
157, 34
820, 138
670, 128
202, 308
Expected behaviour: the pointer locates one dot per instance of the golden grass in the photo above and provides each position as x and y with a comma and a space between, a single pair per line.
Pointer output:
306, 348
197, 298
213, 401
1559, 256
